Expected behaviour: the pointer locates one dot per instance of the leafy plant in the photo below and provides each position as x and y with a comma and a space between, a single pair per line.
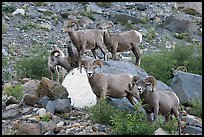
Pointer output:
46, 117
8, 9
144, 20
89, 14
160, 64
15, 91
132, 124
102, 112
196, 107
128, 25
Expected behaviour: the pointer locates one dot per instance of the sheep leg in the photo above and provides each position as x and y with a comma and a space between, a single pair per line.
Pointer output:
176, 113
94, 53
104, 53
130, 98
51, 76
156, 111
136, 52
57, 73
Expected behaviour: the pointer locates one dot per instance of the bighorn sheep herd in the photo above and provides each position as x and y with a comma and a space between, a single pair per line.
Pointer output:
112, 85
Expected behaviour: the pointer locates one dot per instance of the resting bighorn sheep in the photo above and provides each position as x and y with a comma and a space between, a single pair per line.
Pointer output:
84, 39
180, 68
112, 85
55, 60
124, 41
164, 102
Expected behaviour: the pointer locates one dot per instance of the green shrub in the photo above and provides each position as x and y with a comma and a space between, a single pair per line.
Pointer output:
132, 124
144, 20
128, 25
102, 112
14, 91
33, 67
196, 107
46, 117
89, 14
171, 126
7, 8
104, 4
160, 64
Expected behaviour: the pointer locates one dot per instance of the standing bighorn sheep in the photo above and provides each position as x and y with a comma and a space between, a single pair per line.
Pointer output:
73, 56
157, 101
113, 85
84, 39
56, 60
124, 41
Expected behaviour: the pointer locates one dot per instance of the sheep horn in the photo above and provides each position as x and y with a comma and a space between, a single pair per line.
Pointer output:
98, 62
54, 51
110, 23
152, 80
75, 22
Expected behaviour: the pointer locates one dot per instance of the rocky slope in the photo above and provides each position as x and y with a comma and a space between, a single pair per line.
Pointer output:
26, 25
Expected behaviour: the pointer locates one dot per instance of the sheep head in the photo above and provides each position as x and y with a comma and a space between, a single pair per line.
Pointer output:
146, 84
105, 26
89, 66
134, 81
53, 59
69, 24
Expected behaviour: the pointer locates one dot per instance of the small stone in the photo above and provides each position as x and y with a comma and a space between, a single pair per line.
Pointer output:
41, 112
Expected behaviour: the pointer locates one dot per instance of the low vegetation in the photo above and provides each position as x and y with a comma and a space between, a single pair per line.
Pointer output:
104, 4
196, 107
160, 64
128, 123
15, 91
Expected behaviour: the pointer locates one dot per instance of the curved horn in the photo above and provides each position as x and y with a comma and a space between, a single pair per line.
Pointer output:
151, 79
54, 51
75, 22
98, 62
110, 23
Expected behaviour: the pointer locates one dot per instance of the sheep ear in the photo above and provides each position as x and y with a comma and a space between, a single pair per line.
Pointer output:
81, 63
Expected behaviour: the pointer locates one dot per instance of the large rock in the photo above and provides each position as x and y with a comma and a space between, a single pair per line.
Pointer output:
58, 91
94, 8
187, 86
44, 87
30, 99
192, 130
187, 6
30, 87
62, 105
79, 89
29, 129
179, 25
116, 17
10, 113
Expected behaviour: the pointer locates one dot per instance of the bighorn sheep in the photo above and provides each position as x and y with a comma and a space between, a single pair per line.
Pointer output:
84, 39
164, 102
55, 60
72, 53
124, 41
180, 68
113, 85
104, 25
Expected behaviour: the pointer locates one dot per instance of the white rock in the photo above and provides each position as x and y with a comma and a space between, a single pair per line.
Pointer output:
19, 11
60, 124
41, 112
79, 89
160, 131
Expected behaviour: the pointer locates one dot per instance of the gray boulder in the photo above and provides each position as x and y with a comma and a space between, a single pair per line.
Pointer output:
192, 130
58, 91
187, 86
43, 102
179, 25
62, 105
50, 107
10, 113
116, 17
